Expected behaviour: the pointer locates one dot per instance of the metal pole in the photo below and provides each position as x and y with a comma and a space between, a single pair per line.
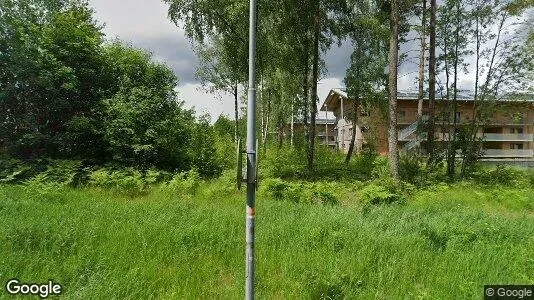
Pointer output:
251, 154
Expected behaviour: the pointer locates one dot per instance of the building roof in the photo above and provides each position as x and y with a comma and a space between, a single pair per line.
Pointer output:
334, 97
318, 121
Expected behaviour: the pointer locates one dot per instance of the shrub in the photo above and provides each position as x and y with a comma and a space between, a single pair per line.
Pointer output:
275, 188
299, 192
64, 173
411, 169
153, 176
184, 183
378, 194
128, 181
222, 185
363, 164
285, 162
501, 175
14, 171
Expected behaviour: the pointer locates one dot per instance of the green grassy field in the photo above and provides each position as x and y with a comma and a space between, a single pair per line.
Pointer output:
441, 243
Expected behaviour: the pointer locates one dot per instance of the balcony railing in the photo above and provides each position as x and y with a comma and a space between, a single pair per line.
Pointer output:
526, 137
488, 137
509, 153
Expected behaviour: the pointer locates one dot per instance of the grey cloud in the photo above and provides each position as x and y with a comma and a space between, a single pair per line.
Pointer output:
337, 60
176, 52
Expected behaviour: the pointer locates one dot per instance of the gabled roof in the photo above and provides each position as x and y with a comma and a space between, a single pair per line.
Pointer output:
333, 99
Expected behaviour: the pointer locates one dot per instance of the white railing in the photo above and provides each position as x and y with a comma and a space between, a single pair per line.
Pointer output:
508, 137
509, 153
409, 146
409, 130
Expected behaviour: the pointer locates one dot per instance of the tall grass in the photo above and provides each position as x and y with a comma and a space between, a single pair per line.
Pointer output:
444, 242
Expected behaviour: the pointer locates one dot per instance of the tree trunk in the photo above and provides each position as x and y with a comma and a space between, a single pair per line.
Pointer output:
292, 121
431, 83
280, 134
313, 96
236, 115
267, 116
422, 64
305, 88
474, 128
473, 147
451, 162
393, 64
354, 127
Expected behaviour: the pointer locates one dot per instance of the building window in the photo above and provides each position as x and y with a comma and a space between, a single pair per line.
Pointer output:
516, 130
458, 116
401, 114
516, 146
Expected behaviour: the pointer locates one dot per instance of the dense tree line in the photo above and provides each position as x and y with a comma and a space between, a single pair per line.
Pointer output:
459, 36
65, 92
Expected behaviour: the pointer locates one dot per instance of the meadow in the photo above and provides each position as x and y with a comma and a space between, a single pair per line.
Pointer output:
185, 239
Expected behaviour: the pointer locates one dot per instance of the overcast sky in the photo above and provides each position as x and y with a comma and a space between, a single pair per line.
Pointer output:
145, 25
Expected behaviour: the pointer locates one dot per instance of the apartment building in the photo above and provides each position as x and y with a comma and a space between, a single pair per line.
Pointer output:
324, 131
507, 136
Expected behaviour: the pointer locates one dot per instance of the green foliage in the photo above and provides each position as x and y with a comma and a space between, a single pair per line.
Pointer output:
364, 163
203, 151
275, 187
63, 173
300, 192
184, 183
502, 175
378, 194
65, 94
50, 54
181, 247
411, 168
127, 180
145, 130
284, 162
154, 176
16, 171
290, 163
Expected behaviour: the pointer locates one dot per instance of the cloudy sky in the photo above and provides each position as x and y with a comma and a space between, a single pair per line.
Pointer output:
144, 24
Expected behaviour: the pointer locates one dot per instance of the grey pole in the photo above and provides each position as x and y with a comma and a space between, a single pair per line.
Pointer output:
251, 155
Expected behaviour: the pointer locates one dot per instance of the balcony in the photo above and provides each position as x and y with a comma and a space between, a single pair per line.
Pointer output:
488, 137
512, 137
513, 153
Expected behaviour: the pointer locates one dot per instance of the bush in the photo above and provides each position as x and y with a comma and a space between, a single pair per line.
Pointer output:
412, 169
363, 164
285, 162
64, 173
154, 176
17, 171
502, 175
275, 188
300, 192
378, 194
128, 181
184, 183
